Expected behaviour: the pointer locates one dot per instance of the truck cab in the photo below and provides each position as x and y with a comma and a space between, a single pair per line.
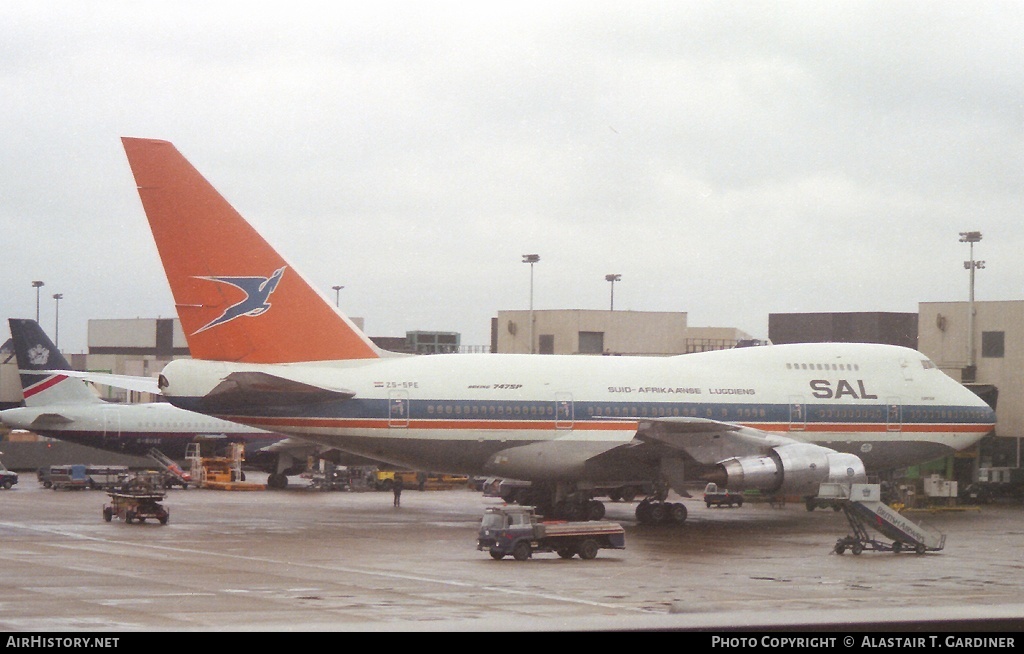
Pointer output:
65, 477
715, 496
7, 477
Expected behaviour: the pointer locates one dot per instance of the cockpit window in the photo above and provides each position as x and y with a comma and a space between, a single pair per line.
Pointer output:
927, 363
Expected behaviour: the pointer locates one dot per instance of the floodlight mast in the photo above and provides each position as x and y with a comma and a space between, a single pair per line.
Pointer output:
971, 238
531, 259
613, 278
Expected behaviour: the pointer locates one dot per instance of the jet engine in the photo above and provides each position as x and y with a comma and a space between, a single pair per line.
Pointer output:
793, 469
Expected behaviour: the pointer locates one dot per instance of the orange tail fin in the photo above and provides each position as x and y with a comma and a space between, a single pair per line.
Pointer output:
237, 298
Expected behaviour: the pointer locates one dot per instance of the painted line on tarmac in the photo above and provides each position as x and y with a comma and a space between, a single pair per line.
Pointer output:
354, 571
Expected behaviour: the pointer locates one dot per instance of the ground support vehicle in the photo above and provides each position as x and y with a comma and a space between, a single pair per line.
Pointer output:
863, 508
715, 496
384, 480
995, 484
132, 506
174, 474
7, 477
67, 477
517, 531
137, 500
328, 477
219, 472
106, 477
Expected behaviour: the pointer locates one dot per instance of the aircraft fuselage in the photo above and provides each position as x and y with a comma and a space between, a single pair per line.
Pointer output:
548, 417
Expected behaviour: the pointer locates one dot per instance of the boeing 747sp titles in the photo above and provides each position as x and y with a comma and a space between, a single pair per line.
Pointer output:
272, 352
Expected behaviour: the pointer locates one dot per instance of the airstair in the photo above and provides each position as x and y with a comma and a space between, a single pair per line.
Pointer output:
864, 509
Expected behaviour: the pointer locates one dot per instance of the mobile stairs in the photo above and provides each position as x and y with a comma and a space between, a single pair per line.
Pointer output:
174, 474
863, 506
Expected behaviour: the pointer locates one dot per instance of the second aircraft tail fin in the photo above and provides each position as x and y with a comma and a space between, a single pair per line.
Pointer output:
36, 352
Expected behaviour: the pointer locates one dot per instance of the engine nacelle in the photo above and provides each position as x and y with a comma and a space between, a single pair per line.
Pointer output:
794, 469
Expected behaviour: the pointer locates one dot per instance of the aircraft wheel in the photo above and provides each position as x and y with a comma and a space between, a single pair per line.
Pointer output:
678, 513
658, 512
643, 512
628, 494
277, 481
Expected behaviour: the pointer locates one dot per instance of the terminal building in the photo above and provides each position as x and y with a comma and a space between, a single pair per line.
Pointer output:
609, 333
940, 330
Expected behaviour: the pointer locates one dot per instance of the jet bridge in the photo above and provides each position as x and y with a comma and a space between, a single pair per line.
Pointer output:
864, 509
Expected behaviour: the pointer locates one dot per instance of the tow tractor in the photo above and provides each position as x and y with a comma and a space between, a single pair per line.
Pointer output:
863, 507
137, 500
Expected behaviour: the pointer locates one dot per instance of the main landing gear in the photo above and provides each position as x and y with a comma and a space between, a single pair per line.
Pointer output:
654, 511
561, 501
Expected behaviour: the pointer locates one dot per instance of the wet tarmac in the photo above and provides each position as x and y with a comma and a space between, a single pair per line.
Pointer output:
307, 560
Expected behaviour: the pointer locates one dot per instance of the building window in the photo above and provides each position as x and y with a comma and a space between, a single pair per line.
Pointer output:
992, 345
591, 342
546, 343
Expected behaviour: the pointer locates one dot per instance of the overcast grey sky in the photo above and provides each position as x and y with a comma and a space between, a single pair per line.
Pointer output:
728, 159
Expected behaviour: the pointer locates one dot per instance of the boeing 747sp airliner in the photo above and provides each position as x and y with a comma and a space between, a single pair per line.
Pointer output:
273, 353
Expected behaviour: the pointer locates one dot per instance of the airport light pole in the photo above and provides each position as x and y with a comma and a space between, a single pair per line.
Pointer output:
612, 279
37, 285
57, 297
531, 259
971, 238
337, 295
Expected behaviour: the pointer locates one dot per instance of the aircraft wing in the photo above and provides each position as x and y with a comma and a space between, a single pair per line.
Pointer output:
708, 441
127, 382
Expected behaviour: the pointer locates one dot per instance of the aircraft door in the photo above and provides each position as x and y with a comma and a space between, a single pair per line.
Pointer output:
398, 409
563, 411
907, 369
797, 413
894, 414
111, 426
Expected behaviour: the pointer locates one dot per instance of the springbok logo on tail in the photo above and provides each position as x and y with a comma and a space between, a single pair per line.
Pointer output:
257, 293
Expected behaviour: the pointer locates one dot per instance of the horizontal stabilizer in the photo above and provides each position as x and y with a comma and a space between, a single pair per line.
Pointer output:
250, 388
44, 420
127, 382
